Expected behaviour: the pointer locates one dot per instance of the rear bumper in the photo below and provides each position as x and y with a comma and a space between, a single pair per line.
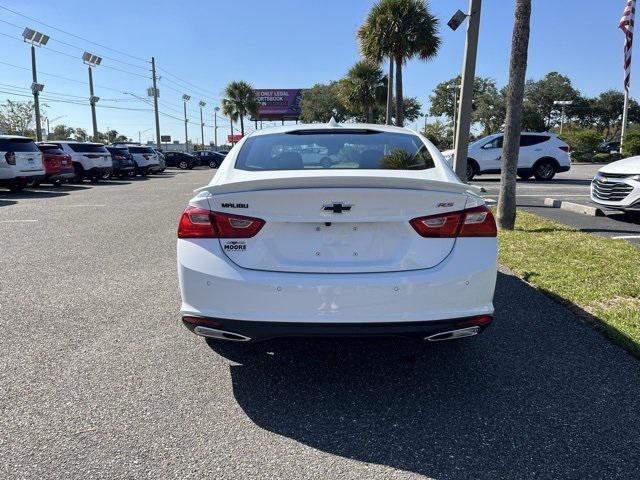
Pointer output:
22, 179
461, 286
256, 331
63, 175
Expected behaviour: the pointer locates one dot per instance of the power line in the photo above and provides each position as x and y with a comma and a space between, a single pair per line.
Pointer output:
73, 35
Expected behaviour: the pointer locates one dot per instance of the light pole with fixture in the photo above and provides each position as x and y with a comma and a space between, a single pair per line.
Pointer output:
52, 120
562, 103
92, 61
185, 99
215, 127
36, 39
201, 104
463, 125
455, 88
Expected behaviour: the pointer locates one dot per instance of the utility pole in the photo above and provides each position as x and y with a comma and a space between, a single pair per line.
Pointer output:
185, 99
215, 127
562, 103
466, 98
36, 93
155, 102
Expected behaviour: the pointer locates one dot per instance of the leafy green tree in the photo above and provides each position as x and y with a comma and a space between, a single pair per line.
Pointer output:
61, 132
412, 109
321, 102
81, 135
542, 93
583, 141
17, 118
631, 144
399, 30
440, 134
361, 88
240, 100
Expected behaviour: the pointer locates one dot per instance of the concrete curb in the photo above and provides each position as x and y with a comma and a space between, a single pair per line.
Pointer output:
574, 207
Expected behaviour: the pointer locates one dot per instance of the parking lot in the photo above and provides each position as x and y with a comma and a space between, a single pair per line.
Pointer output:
571, 186
100, 380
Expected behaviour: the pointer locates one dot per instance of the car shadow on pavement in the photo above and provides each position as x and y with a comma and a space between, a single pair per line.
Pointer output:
31, 193
539, 394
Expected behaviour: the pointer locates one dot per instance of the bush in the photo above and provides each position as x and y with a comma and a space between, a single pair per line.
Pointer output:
606, 157
631, 145
583, 142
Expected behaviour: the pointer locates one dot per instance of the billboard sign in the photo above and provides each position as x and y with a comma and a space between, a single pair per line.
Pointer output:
234, 138
279, 104
165, 138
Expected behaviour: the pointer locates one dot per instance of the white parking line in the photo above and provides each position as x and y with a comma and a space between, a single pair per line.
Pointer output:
626, 237
540, 195
81, 205
18, 221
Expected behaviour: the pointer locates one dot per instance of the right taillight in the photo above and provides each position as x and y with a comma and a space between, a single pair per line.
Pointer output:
201, 223
473, 222
10, 157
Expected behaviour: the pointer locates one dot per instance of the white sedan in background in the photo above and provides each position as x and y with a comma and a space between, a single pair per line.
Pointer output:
617, 185
336, 230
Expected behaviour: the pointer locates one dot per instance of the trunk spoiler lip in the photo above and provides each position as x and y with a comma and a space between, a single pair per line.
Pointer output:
354, 181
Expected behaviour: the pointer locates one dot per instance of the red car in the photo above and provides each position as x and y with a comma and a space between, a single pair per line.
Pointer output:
57, 164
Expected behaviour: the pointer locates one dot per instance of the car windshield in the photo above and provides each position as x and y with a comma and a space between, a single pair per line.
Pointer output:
18, 145
349, 149
87, 148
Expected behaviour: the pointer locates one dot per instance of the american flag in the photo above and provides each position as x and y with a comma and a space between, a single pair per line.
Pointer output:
626, 24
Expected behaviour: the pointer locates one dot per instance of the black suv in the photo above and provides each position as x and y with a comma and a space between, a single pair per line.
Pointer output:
207, 157
184, 161
123, 164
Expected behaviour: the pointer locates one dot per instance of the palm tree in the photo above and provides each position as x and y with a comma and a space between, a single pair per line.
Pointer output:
360, 89
400, 30
240, 101
513, 123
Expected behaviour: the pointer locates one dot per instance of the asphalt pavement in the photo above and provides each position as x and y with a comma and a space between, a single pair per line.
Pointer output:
571, 186
99, 379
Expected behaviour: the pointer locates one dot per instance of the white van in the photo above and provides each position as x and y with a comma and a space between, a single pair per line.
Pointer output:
20, 162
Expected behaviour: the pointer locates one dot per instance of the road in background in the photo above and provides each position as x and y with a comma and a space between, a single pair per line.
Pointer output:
571, 186
99, 379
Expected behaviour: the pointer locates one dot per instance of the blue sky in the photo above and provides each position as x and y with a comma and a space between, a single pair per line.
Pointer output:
275, 44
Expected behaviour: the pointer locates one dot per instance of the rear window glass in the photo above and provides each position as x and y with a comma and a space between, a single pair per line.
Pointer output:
141, 150
349, 149
51, 149
87, 148
118, 151
18, 145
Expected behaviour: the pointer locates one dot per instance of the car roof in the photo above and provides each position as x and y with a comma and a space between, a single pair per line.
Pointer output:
81, 143
14, 137
47, 144
332, 126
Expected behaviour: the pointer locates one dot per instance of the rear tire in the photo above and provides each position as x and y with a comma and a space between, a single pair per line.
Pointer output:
544, 170
213, 164
79, 173
472, 169
183, 165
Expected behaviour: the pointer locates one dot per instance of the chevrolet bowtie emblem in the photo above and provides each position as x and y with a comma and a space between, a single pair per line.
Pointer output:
337, 207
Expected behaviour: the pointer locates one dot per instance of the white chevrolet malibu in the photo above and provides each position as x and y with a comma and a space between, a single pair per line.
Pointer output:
617, 185
336, 230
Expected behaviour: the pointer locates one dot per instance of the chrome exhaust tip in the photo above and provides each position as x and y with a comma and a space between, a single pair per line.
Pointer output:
220, 334
453, 334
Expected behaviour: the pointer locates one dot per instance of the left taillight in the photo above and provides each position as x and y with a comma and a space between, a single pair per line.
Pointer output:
472, 222
201, 223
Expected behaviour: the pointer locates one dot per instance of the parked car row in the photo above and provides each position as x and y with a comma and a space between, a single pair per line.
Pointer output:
24, 162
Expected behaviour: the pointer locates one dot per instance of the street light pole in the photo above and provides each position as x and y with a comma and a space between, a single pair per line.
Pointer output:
92, 61
201, 104
185, 99
215, 127
466, 97
36, 39
562, 103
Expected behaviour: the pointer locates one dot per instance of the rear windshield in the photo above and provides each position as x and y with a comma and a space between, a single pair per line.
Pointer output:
87, 148
51, 149
18, 145
349, 149
141, 150
118, 151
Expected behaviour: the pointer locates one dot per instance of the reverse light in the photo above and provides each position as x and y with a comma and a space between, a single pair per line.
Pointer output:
472, 222
201, 223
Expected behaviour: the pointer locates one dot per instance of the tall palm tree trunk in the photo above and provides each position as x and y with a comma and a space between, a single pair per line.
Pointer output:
370, 114
390, 93
242, 125
515, 93
399, 98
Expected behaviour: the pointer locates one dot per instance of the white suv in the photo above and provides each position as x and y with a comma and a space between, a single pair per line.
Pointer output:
145, 158
20, 162
541, 155
90, 160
